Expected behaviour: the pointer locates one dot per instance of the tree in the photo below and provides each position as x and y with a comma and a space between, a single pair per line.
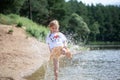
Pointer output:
94, 30
10, 6
78, 28
72, 6
56, 10
30, 9
39, 10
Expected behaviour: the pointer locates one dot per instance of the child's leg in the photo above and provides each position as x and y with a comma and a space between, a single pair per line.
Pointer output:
56, 67
69, 55
67, 52
64, 51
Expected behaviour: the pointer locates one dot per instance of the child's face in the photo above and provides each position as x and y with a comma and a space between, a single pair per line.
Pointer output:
53, 29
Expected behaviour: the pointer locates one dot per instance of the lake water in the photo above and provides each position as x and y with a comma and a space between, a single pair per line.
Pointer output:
88, 65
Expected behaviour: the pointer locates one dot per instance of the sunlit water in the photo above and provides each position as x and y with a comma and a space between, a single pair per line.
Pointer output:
88, 65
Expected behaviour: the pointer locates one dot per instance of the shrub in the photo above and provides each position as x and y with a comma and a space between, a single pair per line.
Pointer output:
10, 31
38, 32
32, 28
19, 24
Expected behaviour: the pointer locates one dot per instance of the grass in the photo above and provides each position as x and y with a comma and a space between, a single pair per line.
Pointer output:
10, 31
19, 24
32, 28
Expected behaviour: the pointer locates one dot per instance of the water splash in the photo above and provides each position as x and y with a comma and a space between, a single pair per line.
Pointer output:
49, 74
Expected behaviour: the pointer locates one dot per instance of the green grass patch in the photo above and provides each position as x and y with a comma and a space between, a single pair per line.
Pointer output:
10, 31
19, 24
7, 19
32, 28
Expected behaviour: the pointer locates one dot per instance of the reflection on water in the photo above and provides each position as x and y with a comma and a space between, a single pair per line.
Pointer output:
89, 65
37, 75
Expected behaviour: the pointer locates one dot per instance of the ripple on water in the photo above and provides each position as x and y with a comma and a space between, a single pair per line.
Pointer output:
93, 65
90, 65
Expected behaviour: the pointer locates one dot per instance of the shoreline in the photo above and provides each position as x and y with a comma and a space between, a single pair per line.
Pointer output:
92, 47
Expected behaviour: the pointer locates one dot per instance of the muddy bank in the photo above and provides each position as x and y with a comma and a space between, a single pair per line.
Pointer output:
20, 55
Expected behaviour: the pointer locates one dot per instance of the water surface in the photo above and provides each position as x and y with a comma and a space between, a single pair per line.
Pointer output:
88, 65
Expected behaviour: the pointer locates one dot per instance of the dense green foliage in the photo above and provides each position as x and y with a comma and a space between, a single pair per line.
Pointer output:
31, 27
80, 29
84, 22
11, 6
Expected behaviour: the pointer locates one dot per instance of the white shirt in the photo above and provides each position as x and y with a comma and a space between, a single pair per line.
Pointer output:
55, 39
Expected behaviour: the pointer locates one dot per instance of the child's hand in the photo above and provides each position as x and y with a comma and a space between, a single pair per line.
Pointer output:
67, 52
64, 51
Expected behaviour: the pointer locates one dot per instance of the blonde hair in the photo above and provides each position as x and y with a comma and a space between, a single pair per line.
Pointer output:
54, 22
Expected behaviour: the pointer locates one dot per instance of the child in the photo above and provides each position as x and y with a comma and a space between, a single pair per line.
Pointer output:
57, 43
57, 39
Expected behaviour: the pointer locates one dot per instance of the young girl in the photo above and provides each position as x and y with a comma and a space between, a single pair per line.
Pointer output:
57, 43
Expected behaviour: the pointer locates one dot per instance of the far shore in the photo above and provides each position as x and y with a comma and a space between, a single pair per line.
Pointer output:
103, 46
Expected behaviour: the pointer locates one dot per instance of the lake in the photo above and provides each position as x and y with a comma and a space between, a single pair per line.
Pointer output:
88, 65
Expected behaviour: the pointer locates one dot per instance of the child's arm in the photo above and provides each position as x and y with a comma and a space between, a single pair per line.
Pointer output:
49, 48
47, 41
64, 39
65, 44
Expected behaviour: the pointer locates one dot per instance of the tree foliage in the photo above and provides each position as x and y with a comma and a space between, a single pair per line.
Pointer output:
38, 9
102, 22
10, 6
78, 27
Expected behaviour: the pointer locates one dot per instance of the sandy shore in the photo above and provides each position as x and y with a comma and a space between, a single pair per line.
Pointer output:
20, 55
